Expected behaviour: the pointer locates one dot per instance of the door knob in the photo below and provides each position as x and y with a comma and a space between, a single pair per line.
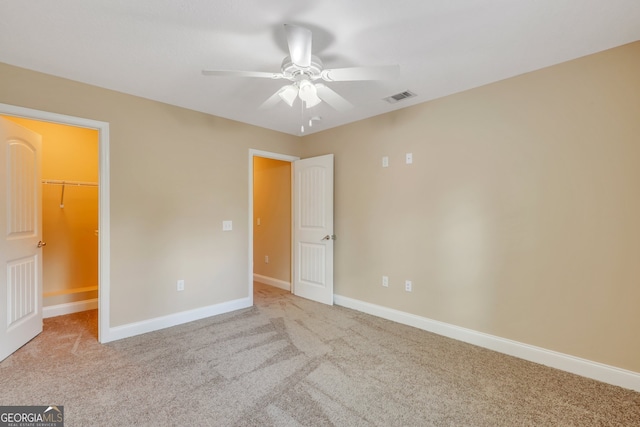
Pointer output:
329, 237
41, 244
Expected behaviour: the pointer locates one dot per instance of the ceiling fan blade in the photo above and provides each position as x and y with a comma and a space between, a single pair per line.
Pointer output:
361, 73
299, 41
332, 98
233, 73
272, 101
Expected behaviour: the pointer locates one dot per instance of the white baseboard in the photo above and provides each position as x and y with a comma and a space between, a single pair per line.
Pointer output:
69, 307
142, 327
272, 282
564, 362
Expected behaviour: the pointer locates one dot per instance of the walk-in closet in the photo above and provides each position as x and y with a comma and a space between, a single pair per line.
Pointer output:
69, 206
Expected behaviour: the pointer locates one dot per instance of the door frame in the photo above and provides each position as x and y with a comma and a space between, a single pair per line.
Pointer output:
275, 156
104, 245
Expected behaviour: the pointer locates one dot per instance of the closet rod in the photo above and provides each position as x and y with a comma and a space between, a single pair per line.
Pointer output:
62, 182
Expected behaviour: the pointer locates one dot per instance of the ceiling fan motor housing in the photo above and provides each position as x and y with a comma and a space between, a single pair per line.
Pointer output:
295, 73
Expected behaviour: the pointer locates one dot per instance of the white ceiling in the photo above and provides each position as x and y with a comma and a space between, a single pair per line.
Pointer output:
156, 49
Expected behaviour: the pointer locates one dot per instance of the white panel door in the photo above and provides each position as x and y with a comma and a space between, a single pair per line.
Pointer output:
313, 228
21, 233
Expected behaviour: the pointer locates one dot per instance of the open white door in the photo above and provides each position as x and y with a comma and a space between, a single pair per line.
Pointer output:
313, 228
20, 239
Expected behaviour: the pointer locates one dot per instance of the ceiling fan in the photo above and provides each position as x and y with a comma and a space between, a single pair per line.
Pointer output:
304, 69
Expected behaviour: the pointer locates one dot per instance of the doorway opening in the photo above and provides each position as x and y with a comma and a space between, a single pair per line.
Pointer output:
69, 189
69, 200
270, 219
312, 234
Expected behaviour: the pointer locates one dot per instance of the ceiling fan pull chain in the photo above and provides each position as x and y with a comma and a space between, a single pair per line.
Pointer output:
301, 116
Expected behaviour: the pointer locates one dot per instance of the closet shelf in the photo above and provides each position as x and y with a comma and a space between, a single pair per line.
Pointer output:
64, 182
69, 291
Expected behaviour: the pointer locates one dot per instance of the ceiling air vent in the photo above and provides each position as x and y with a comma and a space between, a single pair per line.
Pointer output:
400, 96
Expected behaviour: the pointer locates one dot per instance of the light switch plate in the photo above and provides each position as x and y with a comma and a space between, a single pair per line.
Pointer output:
227, 225
409, 158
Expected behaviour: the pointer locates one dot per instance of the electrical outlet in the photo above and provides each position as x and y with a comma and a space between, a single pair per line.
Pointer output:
408, 286
385, 281
181, 285
227, 225
385, 162
266, 259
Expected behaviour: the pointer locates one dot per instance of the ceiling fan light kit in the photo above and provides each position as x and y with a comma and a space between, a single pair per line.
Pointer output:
303, 69
308, 93
288, 94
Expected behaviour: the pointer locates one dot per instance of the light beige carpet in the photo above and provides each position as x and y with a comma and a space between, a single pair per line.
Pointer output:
292, 362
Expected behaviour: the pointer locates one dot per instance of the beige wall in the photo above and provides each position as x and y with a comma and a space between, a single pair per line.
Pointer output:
175, 176
70, 259
520, 216
272, 204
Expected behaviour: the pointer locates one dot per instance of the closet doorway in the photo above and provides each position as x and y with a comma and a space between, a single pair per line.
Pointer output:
70, 173
272, 222
270, 210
